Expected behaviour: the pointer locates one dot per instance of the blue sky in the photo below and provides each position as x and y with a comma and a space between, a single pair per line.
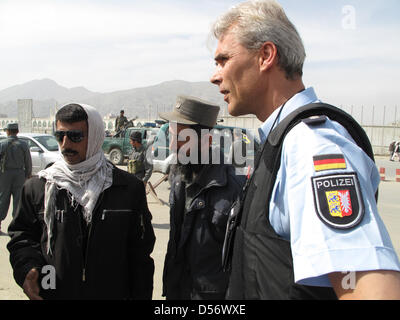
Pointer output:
353, 57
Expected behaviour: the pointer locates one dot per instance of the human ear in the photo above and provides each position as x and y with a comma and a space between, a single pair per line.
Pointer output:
268, 56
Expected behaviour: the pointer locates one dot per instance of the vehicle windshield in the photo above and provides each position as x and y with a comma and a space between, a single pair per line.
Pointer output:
49, 142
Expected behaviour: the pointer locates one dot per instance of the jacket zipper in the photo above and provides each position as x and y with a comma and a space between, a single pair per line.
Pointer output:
88, 239
142, 226
87, 249
86, 255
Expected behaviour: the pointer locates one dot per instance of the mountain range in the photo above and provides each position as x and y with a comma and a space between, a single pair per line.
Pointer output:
141, 102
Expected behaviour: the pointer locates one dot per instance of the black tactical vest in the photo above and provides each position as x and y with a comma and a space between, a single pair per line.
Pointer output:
260, 260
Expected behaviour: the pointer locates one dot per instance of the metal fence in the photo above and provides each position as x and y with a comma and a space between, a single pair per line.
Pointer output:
381, 137
382, 124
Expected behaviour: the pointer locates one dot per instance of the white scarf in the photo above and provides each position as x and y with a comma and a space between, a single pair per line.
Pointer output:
85, 181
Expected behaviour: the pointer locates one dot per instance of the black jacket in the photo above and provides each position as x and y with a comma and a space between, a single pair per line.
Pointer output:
109, 259
193, 263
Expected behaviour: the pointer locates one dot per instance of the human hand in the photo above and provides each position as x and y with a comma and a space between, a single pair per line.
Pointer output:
31, 285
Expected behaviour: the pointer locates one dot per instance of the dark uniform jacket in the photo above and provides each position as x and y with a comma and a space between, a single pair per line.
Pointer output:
109, 259
193, 263
15, 168
16, 155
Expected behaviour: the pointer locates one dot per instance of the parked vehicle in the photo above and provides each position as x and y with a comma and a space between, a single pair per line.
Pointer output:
162, 158
118, 148
150, 125
159, 123
43, 148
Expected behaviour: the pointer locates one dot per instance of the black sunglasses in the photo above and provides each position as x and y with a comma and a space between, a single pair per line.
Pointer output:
73, 135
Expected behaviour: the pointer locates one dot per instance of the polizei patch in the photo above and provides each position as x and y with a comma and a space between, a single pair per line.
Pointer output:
338, 200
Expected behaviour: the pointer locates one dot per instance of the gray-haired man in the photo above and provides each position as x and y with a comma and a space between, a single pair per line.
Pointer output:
297, 232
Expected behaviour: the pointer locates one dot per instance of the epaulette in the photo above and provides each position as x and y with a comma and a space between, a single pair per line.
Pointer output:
315, 120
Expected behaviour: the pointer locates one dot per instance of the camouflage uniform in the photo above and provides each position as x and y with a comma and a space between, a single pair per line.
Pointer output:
120, 123
139, 165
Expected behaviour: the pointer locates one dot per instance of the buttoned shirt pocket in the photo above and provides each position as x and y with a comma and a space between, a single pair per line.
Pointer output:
220, 218
221, 212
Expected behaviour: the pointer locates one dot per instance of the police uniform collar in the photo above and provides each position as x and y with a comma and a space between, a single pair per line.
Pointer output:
302, 98
277, 134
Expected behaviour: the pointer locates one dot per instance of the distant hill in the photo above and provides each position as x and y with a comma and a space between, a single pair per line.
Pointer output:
140, 102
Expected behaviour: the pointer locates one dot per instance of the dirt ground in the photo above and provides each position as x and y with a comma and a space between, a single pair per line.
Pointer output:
9, 290
388, 204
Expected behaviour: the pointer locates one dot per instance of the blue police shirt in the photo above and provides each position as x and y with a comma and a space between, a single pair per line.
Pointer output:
317, 248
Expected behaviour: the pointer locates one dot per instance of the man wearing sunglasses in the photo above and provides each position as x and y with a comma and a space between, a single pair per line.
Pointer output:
82, 229
74, 148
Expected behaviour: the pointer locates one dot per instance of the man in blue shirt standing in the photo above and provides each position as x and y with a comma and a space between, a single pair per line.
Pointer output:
322, 202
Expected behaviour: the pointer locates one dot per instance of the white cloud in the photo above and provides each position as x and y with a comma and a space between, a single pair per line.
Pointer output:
71, 42
30, 22
109, 45
325, 45
353, 67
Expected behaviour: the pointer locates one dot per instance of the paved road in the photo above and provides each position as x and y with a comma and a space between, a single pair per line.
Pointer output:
388, 204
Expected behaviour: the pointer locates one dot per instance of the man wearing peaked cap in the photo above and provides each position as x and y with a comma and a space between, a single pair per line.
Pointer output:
11, 126
201, 197
15, 167
192, 111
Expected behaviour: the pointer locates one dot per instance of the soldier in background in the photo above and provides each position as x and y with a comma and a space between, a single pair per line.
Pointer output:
120, 122
15, 167
138, 164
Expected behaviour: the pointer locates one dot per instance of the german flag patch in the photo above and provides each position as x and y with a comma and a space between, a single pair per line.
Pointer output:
329, 162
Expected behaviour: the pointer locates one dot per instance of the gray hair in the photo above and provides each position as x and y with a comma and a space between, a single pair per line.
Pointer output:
257, 22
